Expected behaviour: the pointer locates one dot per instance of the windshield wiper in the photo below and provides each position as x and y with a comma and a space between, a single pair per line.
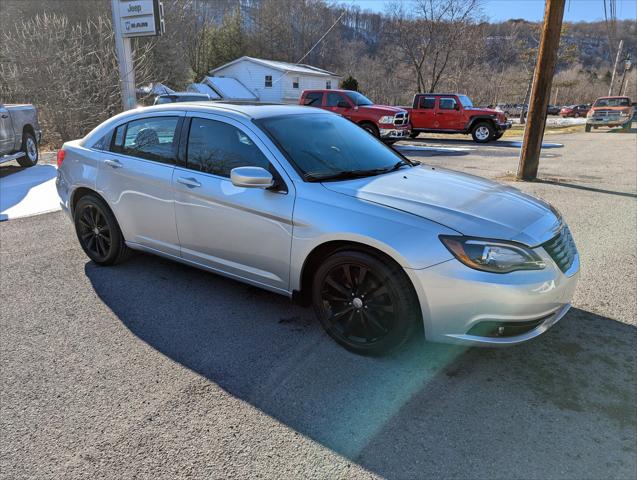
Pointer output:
349, 174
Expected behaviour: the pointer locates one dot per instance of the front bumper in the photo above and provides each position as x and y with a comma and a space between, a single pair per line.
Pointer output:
502, 126
394, 132
456, 300
608, 121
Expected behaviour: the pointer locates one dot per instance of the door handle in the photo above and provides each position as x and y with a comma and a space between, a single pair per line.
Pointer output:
113, 163
4, 115
189, 182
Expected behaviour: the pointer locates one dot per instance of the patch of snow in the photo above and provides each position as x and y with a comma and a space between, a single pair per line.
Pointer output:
30, 191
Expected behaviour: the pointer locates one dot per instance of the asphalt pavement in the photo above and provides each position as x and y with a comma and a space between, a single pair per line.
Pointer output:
155, 370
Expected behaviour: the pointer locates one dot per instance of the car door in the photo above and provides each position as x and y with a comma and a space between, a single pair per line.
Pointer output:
7, 137
423, 116
135, 177
336, 101
245, 233
448, 114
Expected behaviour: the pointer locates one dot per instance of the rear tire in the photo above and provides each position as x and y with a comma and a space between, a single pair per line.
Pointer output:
366, 305
30, 150
587, 128
482, 132
98, 231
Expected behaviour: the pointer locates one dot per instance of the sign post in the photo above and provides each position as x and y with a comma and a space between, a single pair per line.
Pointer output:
133, 18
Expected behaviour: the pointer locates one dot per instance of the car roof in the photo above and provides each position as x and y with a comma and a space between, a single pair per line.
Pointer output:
249, 110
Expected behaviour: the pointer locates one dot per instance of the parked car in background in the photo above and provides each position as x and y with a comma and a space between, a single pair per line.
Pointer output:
454, 113
575, 111
512, 109
181, 97
304, 203
553, 110
390, 124
610, 112
20, 134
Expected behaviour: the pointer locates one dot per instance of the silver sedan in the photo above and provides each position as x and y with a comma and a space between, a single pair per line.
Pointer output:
304, 203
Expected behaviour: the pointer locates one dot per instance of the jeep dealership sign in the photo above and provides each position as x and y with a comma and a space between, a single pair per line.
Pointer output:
141, 18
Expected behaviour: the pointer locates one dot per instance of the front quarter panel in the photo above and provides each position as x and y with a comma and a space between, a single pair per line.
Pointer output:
322, 216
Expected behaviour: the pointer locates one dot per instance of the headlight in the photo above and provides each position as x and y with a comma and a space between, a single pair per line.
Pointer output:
624, 114
492, 255
386, 119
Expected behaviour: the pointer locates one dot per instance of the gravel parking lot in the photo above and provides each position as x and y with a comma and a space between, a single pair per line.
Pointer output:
155, 370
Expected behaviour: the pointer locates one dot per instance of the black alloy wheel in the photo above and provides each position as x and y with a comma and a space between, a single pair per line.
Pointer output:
98, 231
366, 305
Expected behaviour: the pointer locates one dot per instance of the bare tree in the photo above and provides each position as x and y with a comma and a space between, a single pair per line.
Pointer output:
431, 34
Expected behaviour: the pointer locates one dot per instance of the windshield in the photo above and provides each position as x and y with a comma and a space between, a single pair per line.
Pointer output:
327, 145
612, 102
466, 102
359, 98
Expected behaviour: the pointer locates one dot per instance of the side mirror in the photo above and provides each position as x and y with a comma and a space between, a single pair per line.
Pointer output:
251, 177
456, 107
343, 104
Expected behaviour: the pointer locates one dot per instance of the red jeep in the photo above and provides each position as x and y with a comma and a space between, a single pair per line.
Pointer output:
454, 113
390, 124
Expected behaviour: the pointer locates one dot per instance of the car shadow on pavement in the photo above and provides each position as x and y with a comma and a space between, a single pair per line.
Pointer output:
561, 405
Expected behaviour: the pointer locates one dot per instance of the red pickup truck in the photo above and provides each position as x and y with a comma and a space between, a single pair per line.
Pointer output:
454, 113
390, 124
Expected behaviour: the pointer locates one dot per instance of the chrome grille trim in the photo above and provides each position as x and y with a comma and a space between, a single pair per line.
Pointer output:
562, 249
401, 118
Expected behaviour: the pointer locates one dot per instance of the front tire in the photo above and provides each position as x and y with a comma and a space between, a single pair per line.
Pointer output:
587, 128
498, 136
414, 134
98, 231
366, 305
371, 128
30, 150
482, 132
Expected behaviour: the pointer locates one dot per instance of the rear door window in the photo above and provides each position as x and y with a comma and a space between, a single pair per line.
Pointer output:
149, 138
217, 147
313, 99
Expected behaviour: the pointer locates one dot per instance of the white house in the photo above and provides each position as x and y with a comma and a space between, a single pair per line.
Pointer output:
273, 81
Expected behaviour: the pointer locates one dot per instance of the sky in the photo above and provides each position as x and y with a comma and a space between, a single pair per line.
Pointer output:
532, 10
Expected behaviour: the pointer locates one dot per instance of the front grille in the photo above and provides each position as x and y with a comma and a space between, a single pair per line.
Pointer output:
606, 114
401, 119
562, 249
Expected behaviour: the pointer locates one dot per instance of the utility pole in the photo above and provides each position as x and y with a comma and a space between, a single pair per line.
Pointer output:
612, 78
627, 65
540, 91
124, 59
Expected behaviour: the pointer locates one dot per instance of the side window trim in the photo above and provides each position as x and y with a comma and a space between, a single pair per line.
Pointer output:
280, 181
176, 141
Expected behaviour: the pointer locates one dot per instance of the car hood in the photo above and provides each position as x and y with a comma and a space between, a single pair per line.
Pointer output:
382, 109
470, 205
